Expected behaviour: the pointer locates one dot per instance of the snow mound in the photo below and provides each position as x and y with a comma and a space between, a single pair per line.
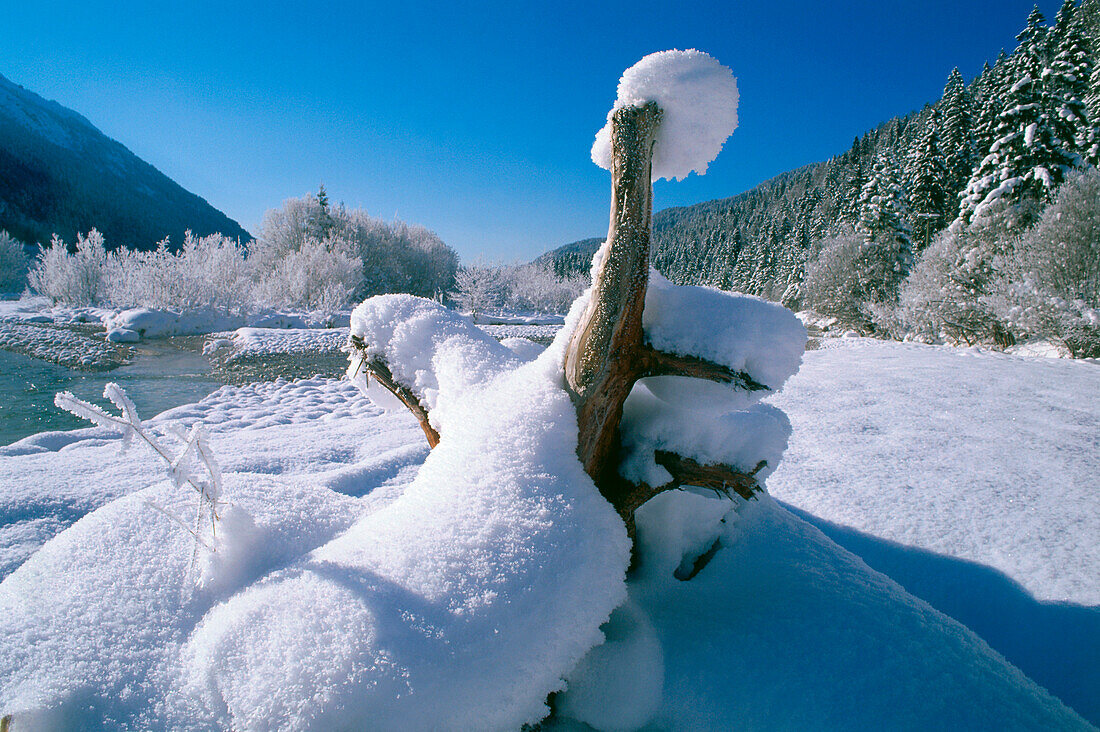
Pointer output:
427, 347
459, 605
745, 333
783, 629
698, 96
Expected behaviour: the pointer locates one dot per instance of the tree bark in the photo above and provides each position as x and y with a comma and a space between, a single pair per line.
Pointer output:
602, 359
607, 353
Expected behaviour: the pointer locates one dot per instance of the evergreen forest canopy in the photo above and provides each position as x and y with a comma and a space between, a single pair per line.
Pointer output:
952, 193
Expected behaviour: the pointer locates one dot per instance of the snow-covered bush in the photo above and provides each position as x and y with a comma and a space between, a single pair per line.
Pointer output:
946, 294
1050, 286
207, 272
14, 264
538, 288
394, 257
319, 276
78, 278
482, 287
479, 288
833, 283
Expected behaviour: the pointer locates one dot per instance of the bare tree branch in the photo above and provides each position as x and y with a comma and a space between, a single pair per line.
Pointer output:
380, 370
662, 363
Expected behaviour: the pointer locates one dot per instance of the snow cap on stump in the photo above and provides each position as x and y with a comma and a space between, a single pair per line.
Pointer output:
699, 98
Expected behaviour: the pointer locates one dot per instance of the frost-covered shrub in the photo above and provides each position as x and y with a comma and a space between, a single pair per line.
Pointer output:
321, 275
832, 284
208, 272
13, 263
537, 288
946, 294
482, 287
78, 278
1050, 286
479, 288
394, 257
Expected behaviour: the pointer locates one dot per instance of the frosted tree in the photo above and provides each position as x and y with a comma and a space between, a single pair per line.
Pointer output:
929, 182
14, 264
887, 252
946, 293
1029, 158
957, 135
479, 288
1067, 82
1050, 286
78, 278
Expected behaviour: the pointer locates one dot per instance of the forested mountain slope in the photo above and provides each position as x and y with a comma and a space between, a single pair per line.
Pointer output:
1010, 136
59, 174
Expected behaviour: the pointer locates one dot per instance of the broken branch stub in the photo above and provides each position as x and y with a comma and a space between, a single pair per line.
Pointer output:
379, 370
607, 352
602, 357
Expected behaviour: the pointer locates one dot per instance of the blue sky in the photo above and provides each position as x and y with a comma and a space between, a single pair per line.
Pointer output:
475, 119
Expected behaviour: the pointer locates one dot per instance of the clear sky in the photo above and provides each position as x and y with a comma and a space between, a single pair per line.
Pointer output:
475, 119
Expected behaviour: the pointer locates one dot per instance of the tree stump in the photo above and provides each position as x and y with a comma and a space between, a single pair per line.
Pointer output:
607, 352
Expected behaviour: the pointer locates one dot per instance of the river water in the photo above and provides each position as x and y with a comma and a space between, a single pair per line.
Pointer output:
163, 375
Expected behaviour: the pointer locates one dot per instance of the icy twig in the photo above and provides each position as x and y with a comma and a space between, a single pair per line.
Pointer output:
196, 448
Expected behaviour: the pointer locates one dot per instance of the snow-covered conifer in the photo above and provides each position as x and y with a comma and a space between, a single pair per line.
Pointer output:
1029, 158
957, 132
929, 182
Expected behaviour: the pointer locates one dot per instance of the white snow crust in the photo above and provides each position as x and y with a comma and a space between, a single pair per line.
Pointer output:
698, 96
360, 585
783, 629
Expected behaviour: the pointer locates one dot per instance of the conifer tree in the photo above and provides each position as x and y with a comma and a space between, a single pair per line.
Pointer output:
929, 182
1029, 158
958, 132
887, 253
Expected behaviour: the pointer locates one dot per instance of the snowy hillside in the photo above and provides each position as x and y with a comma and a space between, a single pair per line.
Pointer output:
59, 174
1000, 520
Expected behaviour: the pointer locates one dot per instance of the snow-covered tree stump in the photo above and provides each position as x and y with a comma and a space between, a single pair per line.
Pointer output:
607, 352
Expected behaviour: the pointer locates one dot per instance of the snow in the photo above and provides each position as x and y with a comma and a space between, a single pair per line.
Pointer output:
253, 343
463, 601
745, 333
61, 346
698, 96
151, 323
970, 477
318, 431
362, 582
785, 630
903, 440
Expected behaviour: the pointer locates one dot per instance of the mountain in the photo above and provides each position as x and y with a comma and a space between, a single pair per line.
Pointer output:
59, 174
571, 259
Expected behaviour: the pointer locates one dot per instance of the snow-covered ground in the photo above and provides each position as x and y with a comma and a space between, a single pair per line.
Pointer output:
966, 477
322, 432
970, 477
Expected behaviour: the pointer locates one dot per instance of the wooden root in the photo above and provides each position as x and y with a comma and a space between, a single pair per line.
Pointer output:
607, 353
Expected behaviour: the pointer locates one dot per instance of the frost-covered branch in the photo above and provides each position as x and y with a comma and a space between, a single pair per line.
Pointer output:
376, 367
196, 449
